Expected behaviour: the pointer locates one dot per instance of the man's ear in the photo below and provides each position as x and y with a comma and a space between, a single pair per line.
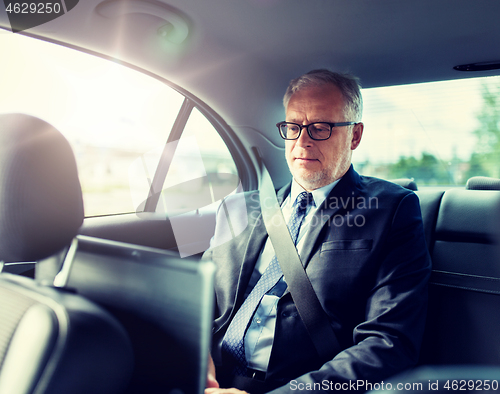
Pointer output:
357, 133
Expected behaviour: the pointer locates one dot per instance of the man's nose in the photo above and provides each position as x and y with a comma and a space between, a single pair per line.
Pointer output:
304, 138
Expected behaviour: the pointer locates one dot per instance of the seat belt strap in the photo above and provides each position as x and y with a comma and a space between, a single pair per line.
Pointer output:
306, 301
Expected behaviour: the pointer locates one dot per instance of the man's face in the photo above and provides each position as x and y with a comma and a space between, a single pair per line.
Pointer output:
315, 164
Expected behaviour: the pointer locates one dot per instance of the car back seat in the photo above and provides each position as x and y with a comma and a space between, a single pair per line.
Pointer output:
429, 205
464, 292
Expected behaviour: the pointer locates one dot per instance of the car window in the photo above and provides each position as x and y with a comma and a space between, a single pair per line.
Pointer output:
116, 119
202, 169
439, 133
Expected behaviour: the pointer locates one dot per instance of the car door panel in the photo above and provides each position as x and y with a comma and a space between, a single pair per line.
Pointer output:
155, 230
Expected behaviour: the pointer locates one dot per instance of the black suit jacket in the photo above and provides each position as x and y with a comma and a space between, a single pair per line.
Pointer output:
367, 261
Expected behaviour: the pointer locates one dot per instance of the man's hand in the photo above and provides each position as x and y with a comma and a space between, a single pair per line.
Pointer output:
224, 391
211, 380
213, 385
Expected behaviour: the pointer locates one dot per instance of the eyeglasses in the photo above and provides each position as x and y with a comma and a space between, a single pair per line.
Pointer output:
317, 131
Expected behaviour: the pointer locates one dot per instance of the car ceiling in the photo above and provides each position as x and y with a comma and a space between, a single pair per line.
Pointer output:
240, 55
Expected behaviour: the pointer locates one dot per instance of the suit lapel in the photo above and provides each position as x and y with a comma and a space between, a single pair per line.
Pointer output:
283, 193
256, 239
341, 193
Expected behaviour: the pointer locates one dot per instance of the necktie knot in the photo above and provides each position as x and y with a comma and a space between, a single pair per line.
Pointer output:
303, 200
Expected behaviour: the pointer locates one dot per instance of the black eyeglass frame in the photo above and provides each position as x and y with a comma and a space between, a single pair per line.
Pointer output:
332, 125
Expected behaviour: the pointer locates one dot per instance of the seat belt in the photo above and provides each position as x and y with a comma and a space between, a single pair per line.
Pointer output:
306, 301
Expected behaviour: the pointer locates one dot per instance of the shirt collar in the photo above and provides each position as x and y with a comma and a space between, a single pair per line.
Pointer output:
319, 195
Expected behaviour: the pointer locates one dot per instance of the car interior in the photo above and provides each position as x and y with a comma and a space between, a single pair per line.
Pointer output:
125, 123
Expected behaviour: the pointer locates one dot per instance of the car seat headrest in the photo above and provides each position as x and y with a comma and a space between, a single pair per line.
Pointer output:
407, 183
483, 183
41, 205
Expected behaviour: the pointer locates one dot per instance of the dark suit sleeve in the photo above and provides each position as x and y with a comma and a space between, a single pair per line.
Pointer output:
389, 339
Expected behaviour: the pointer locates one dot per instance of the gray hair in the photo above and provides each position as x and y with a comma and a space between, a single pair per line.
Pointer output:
348, 85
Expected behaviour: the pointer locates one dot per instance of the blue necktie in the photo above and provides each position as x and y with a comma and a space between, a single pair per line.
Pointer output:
233, 342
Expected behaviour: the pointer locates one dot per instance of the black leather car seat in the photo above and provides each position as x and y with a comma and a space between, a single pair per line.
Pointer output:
407, 183
41, 204
464, 291
51, 341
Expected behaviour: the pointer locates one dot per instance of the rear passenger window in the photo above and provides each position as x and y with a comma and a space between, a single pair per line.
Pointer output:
439, 134
201, 171
117, 120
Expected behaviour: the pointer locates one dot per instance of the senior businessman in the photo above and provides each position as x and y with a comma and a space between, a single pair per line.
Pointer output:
361, 242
